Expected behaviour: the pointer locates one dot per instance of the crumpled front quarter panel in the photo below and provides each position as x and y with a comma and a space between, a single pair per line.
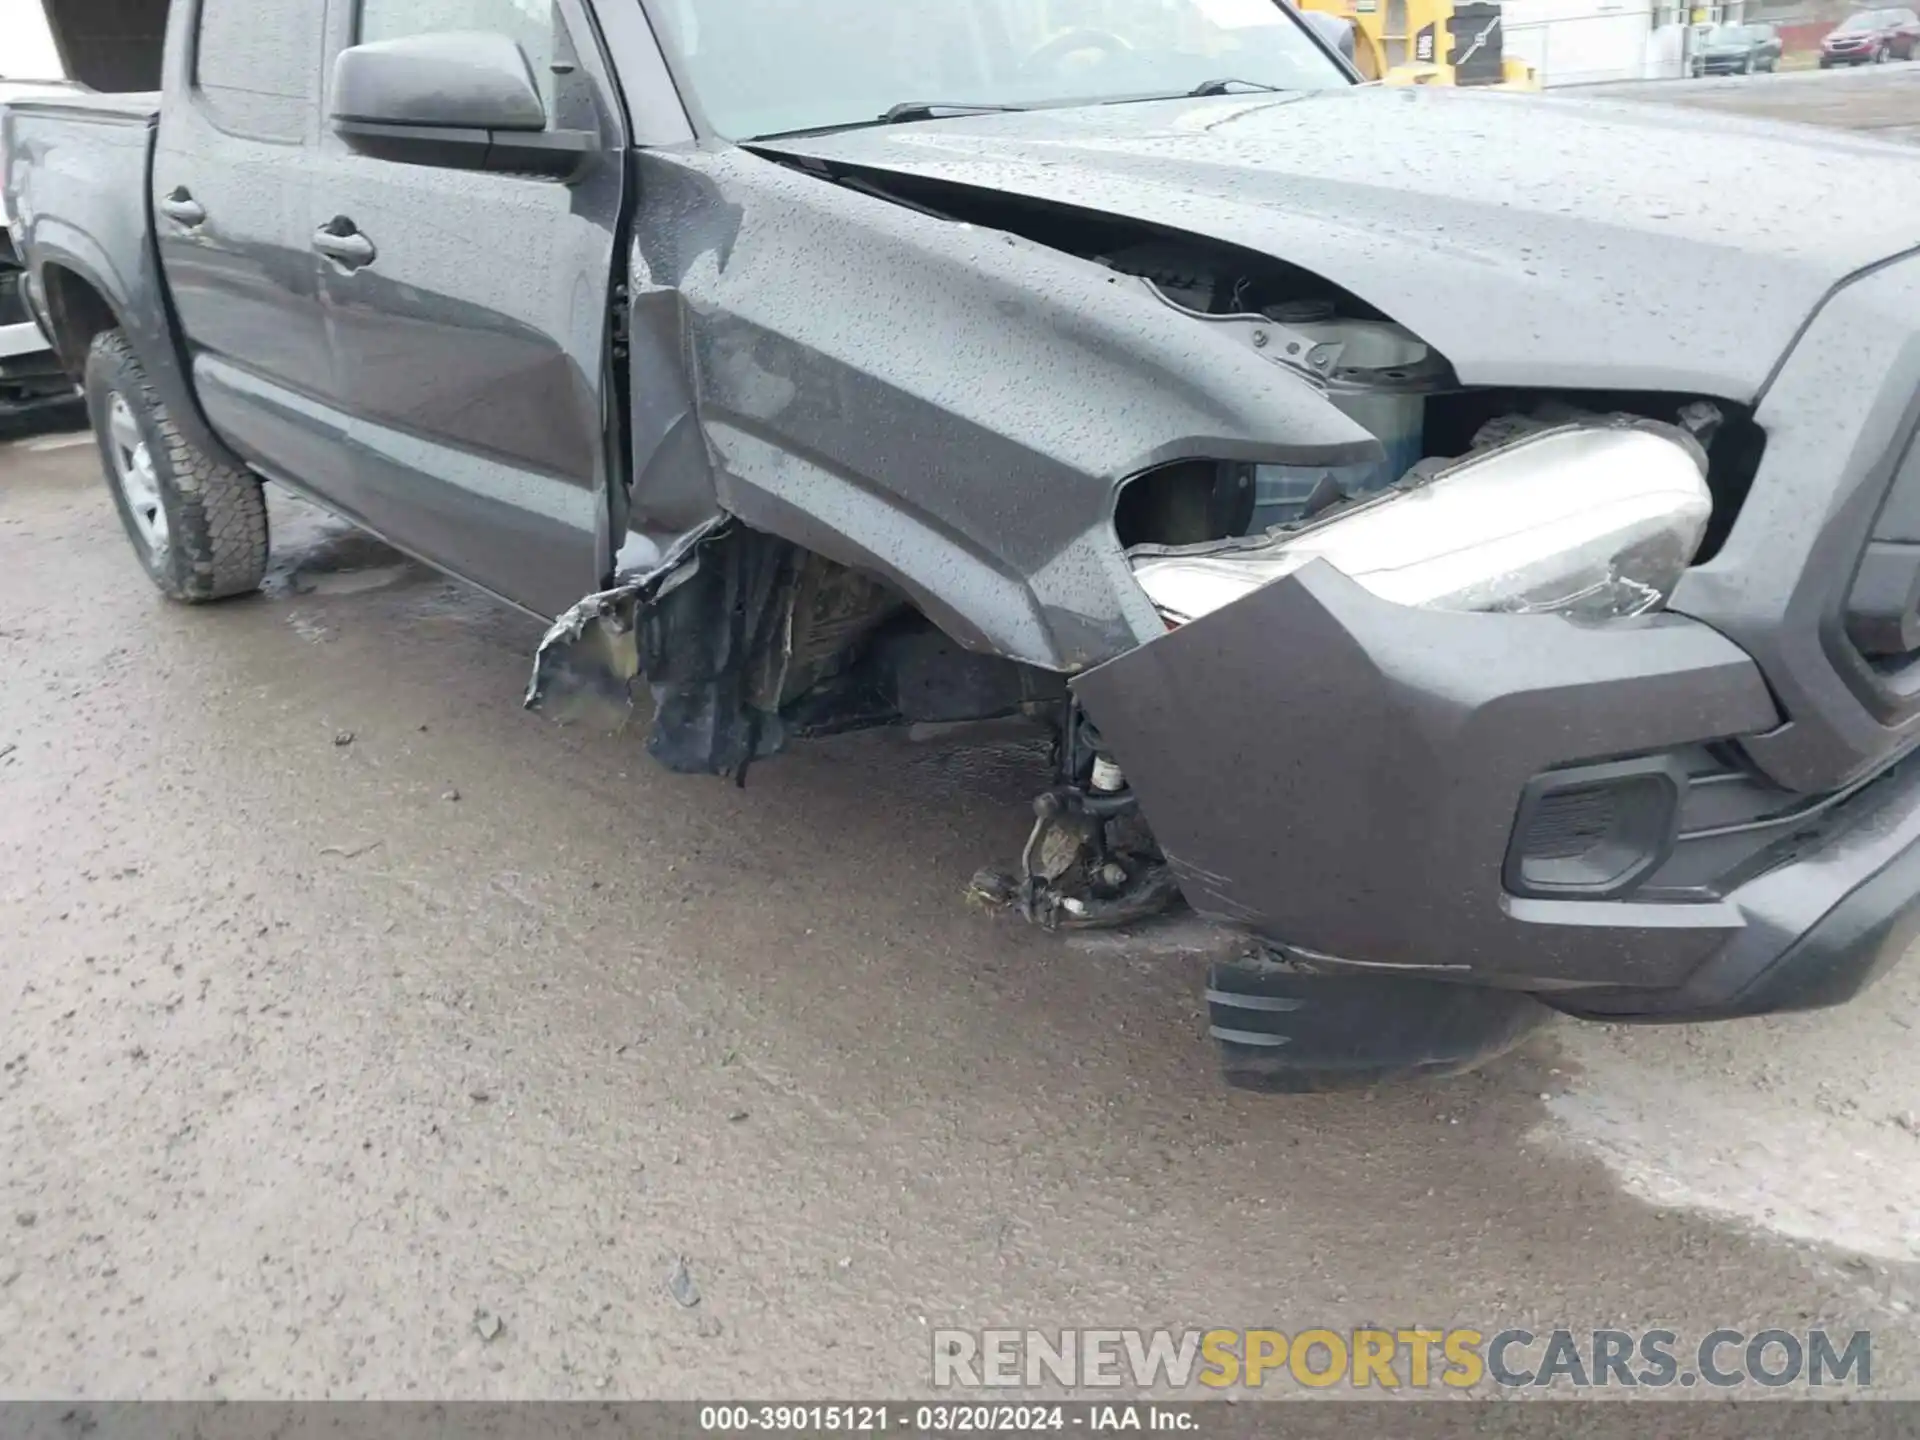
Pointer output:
948, 407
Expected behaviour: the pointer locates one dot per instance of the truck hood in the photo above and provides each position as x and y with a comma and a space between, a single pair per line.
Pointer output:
1533, 241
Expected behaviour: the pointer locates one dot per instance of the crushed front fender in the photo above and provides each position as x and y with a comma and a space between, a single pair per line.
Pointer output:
733, 629
588, 660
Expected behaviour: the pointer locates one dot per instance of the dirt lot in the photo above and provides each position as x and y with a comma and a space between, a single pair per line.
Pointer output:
1883, 100
354, 1016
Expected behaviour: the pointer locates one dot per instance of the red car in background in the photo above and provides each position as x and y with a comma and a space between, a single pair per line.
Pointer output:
1870, 37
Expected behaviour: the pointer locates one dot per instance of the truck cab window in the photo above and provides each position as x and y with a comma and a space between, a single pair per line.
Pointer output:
257, 65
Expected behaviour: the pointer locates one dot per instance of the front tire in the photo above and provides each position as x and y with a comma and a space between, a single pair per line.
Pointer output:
198, 526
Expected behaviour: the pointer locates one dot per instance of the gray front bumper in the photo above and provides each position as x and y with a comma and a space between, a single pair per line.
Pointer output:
1342, 775
1353, 802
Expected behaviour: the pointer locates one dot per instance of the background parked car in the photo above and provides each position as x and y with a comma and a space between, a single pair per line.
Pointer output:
1736, 50
32, 379
1870, 37
31, 376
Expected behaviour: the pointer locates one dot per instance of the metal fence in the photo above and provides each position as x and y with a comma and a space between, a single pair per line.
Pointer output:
1624, 42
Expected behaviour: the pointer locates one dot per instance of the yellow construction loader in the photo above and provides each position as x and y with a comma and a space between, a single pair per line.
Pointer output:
1429, 42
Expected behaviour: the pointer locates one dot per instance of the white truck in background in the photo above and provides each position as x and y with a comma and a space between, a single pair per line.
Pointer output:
31, 377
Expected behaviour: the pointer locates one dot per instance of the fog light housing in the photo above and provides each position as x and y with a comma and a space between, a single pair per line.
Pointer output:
1594, 832
1594, 522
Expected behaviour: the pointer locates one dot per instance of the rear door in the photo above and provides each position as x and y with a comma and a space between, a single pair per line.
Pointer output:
469, 347
232, 177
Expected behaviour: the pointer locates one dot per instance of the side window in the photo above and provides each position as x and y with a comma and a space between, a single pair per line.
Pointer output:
535, 24
257, 65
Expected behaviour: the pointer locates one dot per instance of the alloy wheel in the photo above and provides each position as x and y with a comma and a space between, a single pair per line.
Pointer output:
133, 469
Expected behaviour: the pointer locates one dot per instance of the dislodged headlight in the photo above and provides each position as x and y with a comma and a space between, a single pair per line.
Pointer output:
1589, 521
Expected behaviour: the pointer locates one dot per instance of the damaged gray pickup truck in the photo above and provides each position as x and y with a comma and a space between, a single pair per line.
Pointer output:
1470, 555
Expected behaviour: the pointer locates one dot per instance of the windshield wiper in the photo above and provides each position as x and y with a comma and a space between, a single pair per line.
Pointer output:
1205, 88
908, 110
1225, 87
905, 111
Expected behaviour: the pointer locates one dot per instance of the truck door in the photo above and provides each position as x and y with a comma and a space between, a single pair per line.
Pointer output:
232, 172
468, 312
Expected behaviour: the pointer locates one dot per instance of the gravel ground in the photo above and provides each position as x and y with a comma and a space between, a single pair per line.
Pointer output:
1883, 100
351, 1009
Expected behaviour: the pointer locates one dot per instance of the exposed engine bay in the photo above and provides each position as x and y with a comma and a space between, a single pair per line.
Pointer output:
807, 647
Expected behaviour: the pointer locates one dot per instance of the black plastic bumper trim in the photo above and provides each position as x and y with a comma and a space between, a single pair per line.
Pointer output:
1818, 927
1644, 802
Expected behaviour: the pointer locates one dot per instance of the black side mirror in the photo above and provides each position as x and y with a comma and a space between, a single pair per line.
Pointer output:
466, 100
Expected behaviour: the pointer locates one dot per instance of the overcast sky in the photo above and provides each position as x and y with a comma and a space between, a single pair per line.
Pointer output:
26, 48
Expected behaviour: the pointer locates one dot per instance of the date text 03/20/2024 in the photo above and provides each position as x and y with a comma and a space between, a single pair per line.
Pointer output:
947, 1419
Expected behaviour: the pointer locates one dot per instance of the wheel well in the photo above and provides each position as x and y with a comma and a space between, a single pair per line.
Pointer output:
76, 313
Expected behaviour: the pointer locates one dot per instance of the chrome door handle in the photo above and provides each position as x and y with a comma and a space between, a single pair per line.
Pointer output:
339, 240
183, 209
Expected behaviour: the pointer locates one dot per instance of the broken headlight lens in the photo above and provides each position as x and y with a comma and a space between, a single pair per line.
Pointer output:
1593, 522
